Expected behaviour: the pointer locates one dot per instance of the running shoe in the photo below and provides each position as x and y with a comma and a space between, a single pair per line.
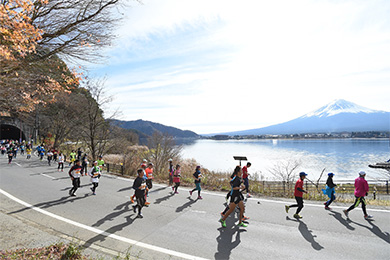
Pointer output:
147, 204
70, 192
176, 192
140, 216
134, 209
132, 200
223, 222
222, 215
327, 208
346, 213
297, 216
248, 195
242, 224
200, 198
368, 217
94, 193
190, 192
245, 218
173, 188
286, 208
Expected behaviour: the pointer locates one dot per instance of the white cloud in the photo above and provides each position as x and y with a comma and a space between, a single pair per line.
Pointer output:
213, 66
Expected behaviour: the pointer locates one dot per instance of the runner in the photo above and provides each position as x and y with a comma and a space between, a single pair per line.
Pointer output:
361, 190
61, 160
176, 179
75, 173
229, 192
149, 178
237, 199
139, 186
245, 176
198, 177
28, 152
143, 167
84, 163
95, 176
49, 157
329, 190
10, 153
149, 175
170, 169
298, 193
100, 163
55, 154
72, 158
41, 153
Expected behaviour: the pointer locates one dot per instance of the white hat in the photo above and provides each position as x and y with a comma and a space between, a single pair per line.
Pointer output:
362, 173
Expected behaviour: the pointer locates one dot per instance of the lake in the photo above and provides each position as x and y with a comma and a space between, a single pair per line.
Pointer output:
344, 157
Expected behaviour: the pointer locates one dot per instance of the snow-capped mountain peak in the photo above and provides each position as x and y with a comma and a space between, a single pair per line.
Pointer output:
339, 106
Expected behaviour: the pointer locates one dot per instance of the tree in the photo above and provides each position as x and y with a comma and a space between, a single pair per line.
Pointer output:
93, 128
36, 35
286, 171
161, 148
60, 117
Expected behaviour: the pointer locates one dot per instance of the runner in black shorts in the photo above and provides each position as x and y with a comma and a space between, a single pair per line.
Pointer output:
236, 197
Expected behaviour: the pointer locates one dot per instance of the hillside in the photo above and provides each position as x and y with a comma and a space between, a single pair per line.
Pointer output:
148, 128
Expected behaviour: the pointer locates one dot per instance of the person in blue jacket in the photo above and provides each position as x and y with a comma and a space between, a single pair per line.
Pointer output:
329, 190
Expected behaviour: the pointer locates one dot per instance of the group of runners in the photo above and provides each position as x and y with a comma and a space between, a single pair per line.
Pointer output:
144, 181
12, 147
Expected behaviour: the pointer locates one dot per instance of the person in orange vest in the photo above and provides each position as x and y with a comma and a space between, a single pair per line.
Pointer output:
149, 178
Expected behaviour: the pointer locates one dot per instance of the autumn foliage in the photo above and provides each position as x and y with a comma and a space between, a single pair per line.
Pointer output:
36, 36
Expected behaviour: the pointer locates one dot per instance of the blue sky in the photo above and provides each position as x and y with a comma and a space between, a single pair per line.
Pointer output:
217, 66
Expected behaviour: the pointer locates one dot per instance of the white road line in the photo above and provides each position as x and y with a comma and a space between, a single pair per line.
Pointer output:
48, 176
18, 164
101, 232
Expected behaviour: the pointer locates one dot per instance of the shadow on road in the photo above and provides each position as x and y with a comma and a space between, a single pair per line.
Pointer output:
186, 205
307, 234
119, 210
224, 240
159, 200
375, 230
48, 204
340, 218
101, 237
157, 190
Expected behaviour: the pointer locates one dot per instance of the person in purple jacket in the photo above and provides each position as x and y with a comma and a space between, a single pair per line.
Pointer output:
361, 190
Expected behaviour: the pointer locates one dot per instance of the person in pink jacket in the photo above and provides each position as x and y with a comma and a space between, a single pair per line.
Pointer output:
361, 190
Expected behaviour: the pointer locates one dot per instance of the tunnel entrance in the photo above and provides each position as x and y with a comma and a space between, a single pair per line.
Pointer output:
11, 132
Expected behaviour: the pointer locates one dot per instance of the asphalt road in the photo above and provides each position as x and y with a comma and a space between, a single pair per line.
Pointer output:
181, 227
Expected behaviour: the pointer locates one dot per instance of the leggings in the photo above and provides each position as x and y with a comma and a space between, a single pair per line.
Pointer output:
357, 202
76, 185
140, 203
246, 183
299, 204
197, 188
60, 165
95, 185
332, 198
177, 184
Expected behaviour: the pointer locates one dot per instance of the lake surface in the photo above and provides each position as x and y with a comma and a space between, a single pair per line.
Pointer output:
344, 157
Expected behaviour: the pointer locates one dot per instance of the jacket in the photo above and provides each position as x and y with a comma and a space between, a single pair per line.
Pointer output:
361, 187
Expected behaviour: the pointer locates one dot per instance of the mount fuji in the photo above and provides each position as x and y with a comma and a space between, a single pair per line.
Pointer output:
338, 116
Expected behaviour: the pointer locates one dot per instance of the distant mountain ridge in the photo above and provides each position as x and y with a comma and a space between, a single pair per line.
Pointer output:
147, 128
338, 116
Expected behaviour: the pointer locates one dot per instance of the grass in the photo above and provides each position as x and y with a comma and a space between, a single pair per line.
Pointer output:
56, 251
